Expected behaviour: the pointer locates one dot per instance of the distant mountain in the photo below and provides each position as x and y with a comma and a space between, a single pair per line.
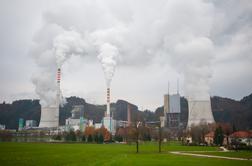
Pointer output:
238, 113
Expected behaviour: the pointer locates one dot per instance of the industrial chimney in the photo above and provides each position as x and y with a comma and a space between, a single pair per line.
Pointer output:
108, 103
58, 97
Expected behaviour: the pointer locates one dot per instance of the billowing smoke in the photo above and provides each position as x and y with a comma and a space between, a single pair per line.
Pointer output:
175, 33
67, 44
108, 57
50, 53
194, 61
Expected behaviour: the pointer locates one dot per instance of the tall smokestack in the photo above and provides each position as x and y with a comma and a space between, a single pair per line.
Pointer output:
58, 96
108, 102
129, 114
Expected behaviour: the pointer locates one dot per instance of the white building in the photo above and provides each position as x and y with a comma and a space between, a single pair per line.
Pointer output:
2, 127
76, 124
98, 125
30, 123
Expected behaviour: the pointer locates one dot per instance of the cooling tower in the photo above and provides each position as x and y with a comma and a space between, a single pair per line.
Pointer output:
49, 117
199, 110
50, 114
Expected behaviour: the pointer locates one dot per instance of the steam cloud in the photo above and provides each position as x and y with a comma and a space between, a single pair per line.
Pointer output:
108, 57
59, 48
67, 44
175, 32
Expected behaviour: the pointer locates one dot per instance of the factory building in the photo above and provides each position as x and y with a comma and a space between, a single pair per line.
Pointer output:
172, 111
77, 121
2, 127
30, 124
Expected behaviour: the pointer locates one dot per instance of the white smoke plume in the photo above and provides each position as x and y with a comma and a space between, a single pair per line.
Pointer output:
108, 58
196, 69
67, 44
50, 53
176, 32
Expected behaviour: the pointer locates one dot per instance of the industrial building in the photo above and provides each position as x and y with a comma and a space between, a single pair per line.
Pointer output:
77, 121
30, 124
172, 111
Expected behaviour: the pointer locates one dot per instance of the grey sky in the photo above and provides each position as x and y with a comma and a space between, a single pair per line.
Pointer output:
153, 47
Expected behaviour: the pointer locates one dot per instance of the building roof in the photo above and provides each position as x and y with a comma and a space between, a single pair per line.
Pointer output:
210, 134
241, 134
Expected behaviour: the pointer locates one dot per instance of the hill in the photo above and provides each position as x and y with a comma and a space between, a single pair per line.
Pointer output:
238, 113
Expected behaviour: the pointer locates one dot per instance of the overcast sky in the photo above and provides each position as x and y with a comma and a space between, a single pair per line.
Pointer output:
207, 45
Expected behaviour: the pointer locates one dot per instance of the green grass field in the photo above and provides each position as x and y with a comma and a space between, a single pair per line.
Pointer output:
105, 154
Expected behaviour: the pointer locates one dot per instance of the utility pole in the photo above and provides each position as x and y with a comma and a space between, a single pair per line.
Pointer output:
160, 138
137, 134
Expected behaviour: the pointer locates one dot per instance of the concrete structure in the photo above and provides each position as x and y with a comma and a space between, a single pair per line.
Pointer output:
50, 114
49, 117
77, 111
172, 110
163, 121
76, 121
2, 127
199, 111
76, 124
174, 103
110, 124
98, 125
30, 123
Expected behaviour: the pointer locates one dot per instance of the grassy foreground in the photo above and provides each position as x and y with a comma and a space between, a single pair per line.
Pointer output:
104, 154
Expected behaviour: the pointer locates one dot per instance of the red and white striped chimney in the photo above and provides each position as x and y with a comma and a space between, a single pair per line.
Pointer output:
57, 97
58, 81
108, 102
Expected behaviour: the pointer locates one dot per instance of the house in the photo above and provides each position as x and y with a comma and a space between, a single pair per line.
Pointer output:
244, 137
209, 138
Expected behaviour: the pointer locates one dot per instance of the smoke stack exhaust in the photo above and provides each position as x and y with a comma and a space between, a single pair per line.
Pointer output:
108, 103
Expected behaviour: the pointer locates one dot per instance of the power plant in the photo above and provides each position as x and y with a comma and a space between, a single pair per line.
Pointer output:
199, 111
50, 114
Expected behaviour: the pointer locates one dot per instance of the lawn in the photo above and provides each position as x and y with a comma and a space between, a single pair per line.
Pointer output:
104, 154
